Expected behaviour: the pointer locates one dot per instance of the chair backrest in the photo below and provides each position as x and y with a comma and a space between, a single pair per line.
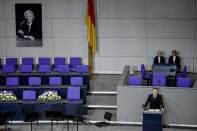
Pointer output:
75, 61
183, 82
59, 61
76, 81
44, 68
142, 69
29, 95
11, 61
108, 116
159, 79
27, 61
184, 71
135, 80
34, 81
73, 93
55, 81
12, 81
44, 61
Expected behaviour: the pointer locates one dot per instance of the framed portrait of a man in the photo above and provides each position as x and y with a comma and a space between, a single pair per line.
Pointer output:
28, 25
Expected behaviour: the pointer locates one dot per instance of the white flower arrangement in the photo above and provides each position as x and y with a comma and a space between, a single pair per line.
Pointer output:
7, 97
49, 96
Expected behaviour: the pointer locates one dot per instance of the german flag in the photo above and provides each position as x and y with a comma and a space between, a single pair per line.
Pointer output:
90, 22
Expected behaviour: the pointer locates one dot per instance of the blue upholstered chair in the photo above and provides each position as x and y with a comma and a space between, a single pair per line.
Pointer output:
44, 65
74, 61
12, 81
29, 95
76, 81
145, 76
27, 65
11, 65
60, 65
135, 80
184, 82
34, 81
55, 81
159, 79
183, 75
73, 93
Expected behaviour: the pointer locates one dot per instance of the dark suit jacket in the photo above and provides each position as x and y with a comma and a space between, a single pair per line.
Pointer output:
36, 30
156, 103
162, 60
177, 61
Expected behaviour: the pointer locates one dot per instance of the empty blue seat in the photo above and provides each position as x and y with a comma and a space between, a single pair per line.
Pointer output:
12, 81
59, 65
73, 62
11, 65
76, 81
159, 79
145, 76
34, 81
29, 95
44, 65
73, 93
27, 65
183, 75
55, 81
135, 80
183, 82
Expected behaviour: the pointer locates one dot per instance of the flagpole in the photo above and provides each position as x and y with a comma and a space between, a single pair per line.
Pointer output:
90, 66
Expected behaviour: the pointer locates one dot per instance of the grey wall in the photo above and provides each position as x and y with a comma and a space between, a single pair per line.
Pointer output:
129, 31
180, 104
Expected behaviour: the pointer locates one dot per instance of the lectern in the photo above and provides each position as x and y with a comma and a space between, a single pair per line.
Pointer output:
152, 120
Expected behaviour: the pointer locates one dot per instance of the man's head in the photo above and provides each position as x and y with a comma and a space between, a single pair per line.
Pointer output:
155, 90
174, 53
29, 15
159, 53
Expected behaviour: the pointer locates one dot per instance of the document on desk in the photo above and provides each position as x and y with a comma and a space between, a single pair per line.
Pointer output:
153, 110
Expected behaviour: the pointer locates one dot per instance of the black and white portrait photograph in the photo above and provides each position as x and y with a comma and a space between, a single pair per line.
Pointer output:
28, 25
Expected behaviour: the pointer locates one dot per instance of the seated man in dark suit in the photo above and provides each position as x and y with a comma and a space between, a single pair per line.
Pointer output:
155, 100
174, 59
159, 59
29, 29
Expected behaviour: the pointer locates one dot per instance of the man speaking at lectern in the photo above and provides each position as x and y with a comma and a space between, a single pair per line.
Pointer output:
155, 100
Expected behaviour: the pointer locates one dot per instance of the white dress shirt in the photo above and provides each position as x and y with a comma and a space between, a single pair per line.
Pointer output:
174, 58
159, 59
